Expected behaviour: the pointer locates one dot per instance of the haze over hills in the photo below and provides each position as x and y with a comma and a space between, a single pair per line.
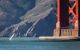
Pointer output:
29, 18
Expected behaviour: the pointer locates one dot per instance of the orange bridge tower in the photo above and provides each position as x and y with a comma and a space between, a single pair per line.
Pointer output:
68, 20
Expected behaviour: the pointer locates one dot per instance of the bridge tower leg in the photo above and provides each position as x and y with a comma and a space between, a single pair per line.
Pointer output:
68, 20
68, 17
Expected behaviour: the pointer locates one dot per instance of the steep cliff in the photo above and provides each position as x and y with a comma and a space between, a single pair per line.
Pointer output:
29, 18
